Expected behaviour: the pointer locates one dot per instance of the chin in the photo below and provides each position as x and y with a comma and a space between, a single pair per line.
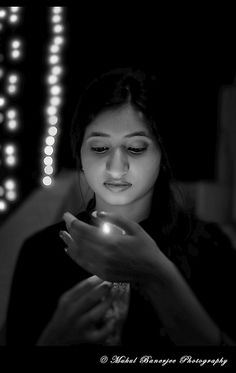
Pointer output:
117, 200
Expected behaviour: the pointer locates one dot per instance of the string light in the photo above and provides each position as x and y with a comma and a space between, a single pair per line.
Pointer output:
9, 113
2, 101
54, 92
3, 205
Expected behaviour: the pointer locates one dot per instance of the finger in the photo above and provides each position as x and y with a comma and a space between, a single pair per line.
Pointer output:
100, 335
97, 313
78, 227
72, 249
82, 288
94, 297
130, 227
69, 219
66, 237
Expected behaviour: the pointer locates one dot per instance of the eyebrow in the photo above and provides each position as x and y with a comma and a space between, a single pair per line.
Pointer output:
102, 134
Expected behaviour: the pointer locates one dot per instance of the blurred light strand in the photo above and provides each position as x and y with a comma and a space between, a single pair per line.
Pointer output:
52, 109
10, 17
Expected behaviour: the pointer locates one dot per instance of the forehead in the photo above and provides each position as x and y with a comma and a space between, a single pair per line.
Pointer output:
120, 122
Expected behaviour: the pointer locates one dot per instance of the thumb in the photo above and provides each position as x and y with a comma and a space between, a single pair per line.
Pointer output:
130, 227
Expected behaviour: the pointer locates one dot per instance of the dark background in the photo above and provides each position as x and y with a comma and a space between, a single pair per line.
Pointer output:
193, 65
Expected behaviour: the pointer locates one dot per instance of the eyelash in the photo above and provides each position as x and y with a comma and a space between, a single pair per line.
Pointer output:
132, 150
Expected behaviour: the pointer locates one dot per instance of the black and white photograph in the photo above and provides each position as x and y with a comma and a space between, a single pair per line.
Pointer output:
117, 187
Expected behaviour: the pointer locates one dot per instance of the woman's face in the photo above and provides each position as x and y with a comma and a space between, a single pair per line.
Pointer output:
120, 157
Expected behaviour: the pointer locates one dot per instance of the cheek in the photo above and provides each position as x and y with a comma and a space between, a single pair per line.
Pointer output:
93, 170
147, 170
90, 163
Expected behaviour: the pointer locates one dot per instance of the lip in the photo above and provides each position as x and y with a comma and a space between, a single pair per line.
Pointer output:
117, 187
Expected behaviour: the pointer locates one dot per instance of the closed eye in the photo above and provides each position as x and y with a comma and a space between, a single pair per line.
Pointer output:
136, 150
99, 149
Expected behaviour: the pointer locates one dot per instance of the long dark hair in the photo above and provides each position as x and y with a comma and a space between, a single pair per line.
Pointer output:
142, 91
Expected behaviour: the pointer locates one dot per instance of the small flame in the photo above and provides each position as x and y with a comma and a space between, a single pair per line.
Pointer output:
106, 228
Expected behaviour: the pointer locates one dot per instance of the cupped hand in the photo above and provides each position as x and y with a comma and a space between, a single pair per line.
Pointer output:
79, 317
129, 257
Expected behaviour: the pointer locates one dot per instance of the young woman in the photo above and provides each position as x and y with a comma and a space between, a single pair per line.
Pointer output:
155, 276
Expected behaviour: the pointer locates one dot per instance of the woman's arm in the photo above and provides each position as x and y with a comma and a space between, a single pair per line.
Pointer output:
185, 320
136, 258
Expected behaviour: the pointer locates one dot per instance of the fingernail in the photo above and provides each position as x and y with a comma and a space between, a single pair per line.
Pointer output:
62, 235
94, 214
69, 218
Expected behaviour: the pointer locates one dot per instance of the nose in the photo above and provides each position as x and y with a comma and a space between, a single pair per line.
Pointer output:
117, 163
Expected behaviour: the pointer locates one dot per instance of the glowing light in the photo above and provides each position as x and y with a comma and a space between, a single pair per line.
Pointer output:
50, 140
56, 18
57, 9
12, 124
54, 48
47, 180
48, 170
58, 28
3, 13
2, 101
106, 228
11, 89
13, 78
55, 90
15, 44
1, 117
14, 9
9, 149
3, 205
11, 160
11, 113
52, 79
13, 18
55, 101
52, 131
11, 195
58, 40
51, 110
53, 120
48, 150
10, 184
15, 54
48, 161
56, 70
54, 59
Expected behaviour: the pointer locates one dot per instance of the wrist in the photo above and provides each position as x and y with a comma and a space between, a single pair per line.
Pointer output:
159, 274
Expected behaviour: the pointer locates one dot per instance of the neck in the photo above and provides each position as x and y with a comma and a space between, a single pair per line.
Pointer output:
135, 211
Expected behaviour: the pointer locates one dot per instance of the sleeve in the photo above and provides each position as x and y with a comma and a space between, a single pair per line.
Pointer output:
32, 300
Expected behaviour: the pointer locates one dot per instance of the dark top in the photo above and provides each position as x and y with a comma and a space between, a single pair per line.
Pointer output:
44, 272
